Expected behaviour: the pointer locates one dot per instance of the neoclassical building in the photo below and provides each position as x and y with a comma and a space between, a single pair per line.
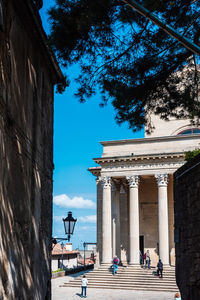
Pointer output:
135, 205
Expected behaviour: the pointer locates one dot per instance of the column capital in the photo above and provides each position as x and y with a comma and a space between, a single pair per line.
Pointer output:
133, 181
162, 179
106, 181
98, 179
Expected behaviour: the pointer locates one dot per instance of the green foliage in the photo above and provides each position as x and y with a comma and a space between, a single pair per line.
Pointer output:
61, 86
191, 154
128, 59
59, 270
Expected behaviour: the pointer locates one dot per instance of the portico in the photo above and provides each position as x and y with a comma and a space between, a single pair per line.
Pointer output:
135, 197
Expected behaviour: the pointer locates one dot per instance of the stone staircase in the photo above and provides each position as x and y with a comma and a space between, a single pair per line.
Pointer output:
128, 278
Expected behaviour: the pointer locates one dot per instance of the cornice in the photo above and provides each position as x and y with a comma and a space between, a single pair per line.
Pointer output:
95, 171
140, 157
151, 139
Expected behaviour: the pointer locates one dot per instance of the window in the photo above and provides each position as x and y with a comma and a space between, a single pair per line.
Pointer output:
190, 131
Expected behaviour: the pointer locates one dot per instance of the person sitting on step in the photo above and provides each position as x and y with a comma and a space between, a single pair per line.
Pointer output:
115, 262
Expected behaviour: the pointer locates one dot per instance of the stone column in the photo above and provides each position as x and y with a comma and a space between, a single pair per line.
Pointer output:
106, 222
133, 220
118, 239
99, 221
163, 218
116, 220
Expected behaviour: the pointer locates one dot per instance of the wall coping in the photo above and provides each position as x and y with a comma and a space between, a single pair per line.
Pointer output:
194, 162
150, 139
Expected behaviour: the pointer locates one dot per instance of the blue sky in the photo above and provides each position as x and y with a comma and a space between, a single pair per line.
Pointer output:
78, 129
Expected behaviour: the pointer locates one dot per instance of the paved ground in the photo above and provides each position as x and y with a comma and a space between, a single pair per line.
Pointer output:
69, 293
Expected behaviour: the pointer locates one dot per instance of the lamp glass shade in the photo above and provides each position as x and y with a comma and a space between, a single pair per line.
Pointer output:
69, 223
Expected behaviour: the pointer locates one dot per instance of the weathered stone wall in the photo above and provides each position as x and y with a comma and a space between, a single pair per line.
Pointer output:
187, 229
27, 77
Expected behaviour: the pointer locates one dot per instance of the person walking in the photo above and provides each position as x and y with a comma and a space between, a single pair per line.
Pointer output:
141, 258
147, 260
160, 268
84, 283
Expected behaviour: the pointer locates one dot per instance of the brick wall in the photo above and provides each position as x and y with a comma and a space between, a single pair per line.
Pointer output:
187, 229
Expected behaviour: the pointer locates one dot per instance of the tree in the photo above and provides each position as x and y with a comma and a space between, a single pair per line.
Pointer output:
142, 69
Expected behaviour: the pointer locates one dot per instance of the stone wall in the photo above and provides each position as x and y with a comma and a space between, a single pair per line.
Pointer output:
187, 229
27, 76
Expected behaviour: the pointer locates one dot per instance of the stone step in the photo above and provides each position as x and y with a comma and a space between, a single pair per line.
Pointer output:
131, 271
121, 275
128, 287
134, 269
159, 281
131, 277
129, 284
165, 275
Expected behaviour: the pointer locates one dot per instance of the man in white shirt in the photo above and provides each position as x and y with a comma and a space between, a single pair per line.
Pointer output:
84, 283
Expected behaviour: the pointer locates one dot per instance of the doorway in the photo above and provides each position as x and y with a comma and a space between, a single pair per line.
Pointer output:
142, 244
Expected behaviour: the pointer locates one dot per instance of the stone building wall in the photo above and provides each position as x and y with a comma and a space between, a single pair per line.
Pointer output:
28, 73
187, 229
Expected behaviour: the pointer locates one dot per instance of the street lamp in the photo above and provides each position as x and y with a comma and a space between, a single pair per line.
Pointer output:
69, 224
62, 246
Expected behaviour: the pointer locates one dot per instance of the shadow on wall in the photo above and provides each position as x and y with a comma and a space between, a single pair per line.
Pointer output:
25, 218
26, 131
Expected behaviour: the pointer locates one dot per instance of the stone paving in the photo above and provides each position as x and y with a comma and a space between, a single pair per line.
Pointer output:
69, 293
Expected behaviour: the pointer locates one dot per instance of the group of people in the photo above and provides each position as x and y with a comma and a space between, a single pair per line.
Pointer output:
115, 263
146, 260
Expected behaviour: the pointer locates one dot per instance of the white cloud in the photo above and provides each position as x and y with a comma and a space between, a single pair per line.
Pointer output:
58, 218
86, 229
76, 202
88, 219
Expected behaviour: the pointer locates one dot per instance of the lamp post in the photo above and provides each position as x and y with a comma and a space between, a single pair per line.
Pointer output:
62, 246
69, 224
84, 245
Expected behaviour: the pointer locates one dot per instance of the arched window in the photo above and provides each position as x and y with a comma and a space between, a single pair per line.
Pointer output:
190, 131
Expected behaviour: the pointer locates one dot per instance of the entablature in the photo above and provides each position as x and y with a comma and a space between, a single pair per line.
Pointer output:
116, 167
133, 158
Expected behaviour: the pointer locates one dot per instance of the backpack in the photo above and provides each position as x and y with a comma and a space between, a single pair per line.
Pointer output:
160, 265
115, 260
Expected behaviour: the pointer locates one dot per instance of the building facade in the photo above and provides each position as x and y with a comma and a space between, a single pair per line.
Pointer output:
65, 258
135, 205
